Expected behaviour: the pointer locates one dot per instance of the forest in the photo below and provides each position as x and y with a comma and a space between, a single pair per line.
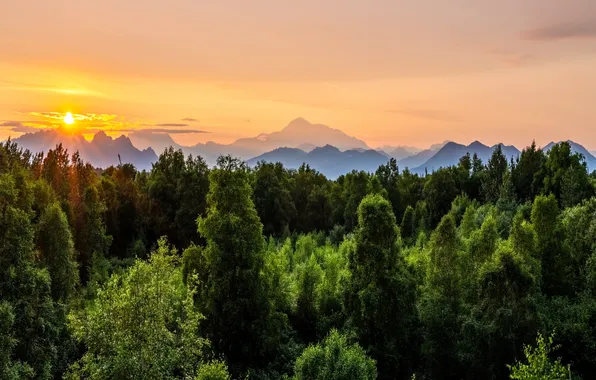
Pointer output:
484, 270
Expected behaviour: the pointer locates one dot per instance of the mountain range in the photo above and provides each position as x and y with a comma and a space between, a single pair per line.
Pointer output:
299, 133
328, 159
451, 152
328, 150
102, 151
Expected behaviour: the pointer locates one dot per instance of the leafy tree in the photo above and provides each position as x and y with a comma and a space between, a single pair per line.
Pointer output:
408, 226
566, 175
356, 186
380, 297
57, 252
528, 173
334, 359
440, 302
141, 325
272, 197
540, 366
92, 237
493, 177
213, 371
29, 330
439, 191
554, 259
230, 293
177, 189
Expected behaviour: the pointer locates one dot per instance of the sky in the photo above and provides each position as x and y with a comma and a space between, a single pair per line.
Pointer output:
390, 72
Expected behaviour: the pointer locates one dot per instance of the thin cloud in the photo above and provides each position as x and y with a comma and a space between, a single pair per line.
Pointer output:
103, 117
164, 130
171, 125
586, 29
435, 115
190, 120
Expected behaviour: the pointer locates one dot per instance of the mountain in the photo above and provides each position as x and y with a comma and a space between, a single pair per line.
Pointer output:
299, 133
400, 153
329, 160
421, 157
158, 141
450, 154
577, 148
102, 151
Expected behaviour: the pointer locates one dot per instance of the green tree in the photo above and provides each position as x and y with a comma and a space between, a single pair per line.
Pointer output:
555, 260
230, 292
29, 331
540, 366
528, 173
272, 197
439, 191
566, 175
177, 190
57, 252
408, 227
493, 178
92, 238
440, 302
380, 297
334, 359
142, 324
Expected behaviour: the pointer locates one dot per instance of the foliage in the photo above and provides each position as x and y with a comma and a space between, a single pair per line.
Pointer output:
539, 365
142, 324
334, 359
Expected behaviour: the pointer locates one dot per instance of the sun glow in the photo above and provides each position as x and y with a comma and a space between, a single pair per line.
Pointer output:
68, 119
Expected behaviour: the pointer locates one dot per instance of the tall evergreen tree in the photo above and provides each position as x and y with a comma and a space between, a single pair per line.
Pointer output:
230, 293
380, 297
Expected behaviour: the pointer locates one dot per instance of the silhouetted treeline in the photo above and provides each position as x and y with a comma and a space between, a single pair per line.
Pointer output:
481, 270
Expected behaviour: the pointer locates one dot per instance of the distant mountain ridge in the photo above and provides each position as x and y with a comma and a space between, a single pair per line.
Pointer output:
450, 154
577, 148
299, 133
102, 151
328, 159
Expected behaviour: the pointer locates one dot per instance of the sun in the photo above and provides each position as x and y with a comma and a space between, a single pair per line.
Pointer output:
68, 119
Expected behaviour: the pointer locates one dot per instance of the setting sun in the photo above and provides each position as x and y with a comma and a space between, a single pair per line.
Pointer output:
68, 119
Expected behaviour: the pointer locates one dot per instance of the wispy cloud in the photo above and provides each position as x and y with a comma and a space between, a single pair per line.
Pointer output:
430, 114
190, 120
77, 116
164, 130
18, 86
166, 125
584, 29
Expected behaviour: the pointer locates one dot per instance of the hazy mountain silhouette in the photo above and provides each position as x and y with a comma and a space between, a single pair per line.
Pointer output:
328, 159
101, 152
144, 139
297, 134
421, 157
401, 153
577, 148
299, 131
450, 154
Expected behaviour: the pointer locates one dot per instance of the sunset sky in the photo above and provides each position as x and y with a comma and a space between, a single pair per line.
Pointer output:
388, 72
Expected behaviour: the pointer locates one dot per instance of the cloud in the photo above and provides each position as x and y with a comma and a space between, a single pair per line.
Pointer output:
586, 29
26, 126
164, 130
190, 120
171, 125
19, 86
436, 115
77, 116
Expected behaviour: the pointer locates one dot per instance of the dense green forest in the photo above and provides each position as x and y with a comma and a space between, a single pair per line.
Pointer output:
482, 270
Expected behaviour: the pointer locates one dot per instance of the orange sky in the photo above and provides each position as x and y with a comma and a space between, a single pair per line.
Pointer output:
410, 72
